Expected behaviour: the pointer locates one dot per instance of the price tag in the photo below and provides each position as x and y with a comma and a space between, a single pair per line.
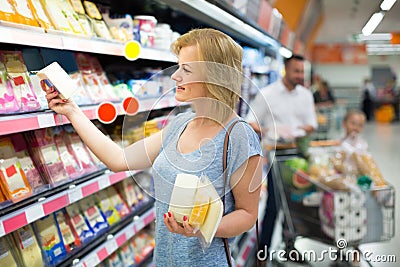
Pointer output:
2, 232
92, 260
74, 195
46, 120
104, 182
111, 246
33, 213
139, 224
130, 232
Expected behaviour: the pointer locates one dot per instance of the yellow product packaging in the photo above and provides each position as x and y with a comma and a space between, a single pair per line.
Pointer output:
99, 25
7, 12
107, 207
55, 14
28, 247
23, 10
8, 257
39, 14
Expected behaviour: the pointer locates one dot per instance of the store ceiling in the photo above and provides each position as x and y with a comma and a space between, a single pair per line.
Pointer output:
343, 18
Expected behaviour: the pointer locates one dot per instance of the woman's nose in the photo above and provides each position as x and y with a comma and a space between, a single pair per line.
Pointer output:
175, 76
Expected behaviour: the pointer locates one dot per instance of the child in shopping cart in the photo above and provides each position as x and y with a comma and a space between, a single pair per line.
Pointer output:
353, 124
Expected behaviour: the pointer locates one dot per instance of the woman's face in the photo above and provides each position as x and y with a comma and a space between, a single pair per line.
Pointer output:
188, 77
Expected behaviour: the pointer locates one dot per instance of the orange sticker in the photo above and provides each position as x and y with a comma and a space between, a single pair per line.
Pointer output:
106, 112
131, 105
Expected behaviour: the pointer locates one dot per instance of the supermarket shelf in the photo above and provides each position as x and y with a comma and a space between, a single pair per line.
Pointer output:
115, 241
15, 123
33, 36
24, 216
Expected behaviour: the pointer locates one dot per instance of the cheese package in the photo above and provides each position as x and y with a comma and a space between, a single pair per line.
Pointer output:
107, 207
55, 15
45, 155
99, 25
57, 76
94, 216
12, 177
50, 240
7, 12
32, 174
197, 199
127, 189
28, 247
83, 20
24, 11
69, 235
19, 80
79, 224
8, 101
7, 256
117, 202
39, 14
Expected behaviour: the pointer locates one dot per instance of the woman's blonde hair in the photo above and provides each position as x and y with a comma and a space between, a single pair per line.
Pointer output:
223, 66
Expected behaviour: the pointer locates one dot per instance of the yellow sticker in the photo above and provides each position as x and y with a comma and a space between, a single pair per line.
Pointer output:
132, 50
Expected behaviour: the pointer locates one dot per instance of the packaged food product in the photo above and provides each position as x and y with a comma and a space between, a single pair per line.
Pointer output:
50, 240
79, 224
127, 190
99, 25
104, 82
2, 197
94, 216
126, 254
19, 80
45, 155
39, 14
12, 177
32, 174
118, 202
107, 207
145, 26
55, 13
83, 20
69, 235
7, 256
24, 11
8, 101
7, 12
115, 260
28, 247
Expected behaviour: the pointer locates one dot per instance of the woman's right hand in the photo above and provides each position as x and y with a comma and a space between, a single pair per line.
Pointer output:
60, 106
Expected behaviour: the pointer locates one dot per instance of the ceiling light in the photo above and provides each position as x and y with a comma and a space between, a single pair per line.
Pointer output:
373, 22
387, 4
285, 52
375, 37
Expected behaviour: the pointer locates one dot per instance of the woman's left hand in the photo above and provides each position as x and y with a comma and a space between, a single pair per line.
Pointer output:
174, 227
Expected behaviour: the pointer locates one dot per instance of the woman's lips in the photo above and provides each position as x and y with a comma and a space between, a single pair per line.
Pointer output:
180, 88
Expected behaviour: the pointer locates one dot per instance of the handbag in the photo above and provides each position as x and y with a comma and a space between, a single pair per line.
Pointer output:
224, 164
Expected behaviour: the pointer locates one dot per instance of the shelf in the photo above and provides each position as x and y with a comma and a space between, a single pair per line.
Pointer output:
117, 240
34, 36
15, 123
24, 216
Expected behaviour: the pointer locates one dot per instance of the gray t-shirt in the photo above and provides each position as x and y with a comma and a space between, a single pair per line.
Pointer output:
177, 250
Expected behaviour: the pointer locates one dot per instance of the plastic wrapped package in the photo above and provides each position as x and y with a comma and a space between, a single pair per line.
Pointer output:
19, 80
33, 176
23, 9
104, 82
81, 95
8, 101
55, 14
8, 255
107, 207
115, 260
127, 190
71, 165
78, 223
13, 181
94, 216
126, 255
50, 239
28, 247
7, 12
117, 202
45, 155
99, 25
39, 14
69, 235
83, 20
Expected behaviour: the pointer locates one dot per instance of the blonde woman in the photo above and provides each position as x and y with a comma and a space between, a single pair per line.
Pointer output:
209, 77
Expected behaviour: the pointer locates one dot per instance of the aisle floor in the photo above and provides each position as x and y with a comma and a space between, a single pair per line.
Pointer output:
384, 145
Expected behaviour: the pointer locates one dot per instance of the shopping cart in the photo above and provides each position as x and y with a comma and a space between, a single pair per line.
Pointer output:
340, 219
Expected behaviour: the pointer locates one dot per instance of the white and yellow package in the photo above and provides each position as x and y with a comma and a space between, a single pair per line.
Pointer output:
28, 247
24, 11
39, 14
7, 257
99, 25
197, 199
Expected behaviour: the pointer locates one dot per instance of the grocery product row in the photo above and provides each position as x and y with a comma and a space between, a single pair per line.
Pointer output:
85, 19
20, 89
59, 236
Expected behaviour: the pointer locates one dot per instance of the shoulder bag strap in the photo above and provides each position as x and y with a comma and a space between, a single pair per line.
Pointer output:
224, 165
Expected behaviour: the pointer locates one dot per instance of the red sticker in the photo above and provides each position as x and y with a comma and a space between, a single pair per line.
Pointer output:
11, 171
131, 105
106, 112
19, 80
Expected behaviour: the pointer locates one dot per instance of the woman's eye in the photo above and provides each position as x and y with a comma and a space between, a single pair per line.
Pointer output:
186, 70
